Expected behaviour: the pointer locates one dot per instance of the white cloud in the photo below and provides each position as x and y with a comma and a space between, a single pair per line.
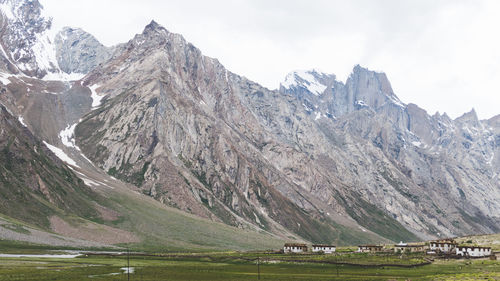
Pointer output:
441, 55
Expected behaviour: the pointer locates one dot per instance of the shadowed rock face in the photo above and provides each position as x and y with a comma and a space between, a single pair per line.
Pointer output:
321, 159
34, 183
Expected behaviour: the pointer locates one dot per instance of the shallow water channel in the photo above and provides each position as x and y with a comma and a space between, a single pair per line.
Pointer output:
64, 256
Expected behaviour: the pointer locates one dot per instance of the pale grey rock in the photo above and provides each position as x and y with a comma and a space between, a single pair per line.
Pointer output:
185, 123
78, 51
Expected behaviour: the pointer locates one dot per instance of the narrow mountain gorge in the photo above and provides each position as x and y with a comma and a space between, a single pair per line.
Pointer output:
318, 159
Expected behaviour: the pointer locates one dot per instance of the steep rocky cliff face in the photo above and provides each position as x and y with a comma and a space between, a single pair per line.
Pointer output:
187, 131
78, 51
173, 123
203, 139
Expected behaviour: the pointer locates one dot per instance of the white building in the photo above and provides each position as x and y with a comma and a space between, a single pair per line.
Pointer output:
443, 246
412, 248
294, 248
473, 251
370, 248
327, 249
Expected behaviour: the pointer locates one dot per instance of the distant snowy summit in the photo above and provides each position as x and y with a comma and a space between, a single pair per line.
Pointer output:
314, 81
322, 95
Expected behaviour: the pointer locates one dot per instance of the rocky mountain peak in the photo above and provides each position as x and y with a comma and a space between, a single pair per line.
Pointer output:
358, 69
439, 117
469, 118
153, 25
471, 115
154, 29
375, 84
155, 36
371, 89
322, 95
79, 52
445, 116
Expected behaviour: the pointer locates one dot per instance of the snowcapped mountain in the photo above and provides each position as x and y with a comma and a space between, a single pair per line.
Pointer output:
323, 95
312, 81
32, 47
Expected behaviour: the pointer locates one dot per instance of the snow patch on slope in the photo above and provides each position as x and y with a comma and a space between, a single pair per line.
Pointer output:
67, 136
395, 100
307, 108
416, 143
5, 54
318, 116
45, 54
61, 154
96, 99
305, 79
63, 76
21, 120
4, 78
7, 10
45, 51
90, 182
361, 103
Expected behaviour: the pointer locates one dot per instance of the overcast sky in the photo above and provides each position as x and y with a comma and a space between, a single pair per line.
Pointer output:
442, 55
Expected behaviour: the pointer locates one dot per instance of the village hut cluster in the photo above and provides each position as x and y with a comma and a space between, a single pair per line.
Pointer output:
450, 247
446, 247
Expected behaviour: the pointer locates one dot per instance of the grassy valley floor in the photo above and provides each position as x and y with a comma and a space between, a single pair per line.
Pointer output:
243, 266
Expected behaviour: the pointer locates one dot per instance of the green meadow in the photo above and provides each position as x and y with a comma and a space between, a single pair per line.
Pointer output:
244, 266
